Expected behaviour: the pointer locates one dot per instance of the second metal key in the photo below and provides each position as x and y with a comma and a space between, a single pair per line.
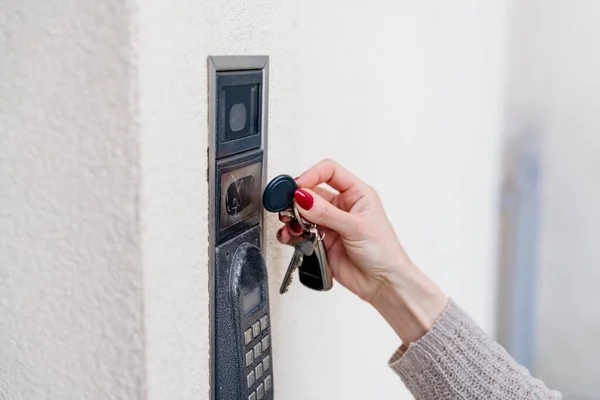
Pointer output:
304, 246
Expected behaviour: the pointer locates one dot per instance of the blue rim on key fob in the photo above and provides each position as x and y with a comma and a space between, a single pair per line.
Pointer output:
279, 194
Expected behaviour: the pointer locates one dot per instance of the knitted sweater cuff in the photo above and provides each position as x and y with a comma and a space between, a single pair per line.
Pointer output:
456, 359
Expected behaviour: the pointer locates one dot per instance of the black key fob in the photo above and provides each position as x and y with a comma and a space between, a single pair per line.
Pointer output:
279, 194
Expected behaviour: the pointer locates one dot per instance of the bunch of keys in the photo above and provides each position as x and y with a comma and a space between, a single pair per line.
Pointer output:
310, 257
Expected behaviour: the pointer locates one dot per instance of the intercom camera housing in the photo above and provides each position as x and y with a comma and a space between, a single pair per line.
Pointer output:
238, 111
241, 350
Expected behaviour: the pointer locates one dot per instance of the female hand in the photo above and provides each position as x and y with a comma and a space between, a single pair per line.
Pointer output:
364, 252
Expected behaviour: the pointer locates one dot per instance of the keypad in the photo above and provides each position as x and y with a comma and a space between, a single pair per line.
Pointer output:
256, 329
266, 342
257, 350
260, 392
258, 359
250, 379
259, 371
249, 358
264, 322
248, 337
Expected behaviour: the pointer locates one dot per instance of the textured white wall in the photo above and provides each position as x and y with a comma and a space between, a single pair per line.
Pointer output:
71, 301
424, 76
82, 77
174, 197
555, 86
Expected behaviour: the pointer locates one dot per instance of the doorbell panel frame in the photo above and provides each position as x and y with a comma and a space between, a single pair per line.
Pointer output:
237, 164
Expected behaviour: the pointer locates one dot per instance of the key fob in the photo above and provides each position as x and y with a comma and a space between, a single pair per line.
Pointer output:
279, 194
314, 272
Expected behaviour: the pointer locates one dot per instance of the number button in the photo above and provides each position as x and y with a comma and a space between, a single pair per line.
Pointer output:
264, 322
268, 383
259, 370
266, 362
256, 329
248, 337
266, 342
252, 396
250, 379
249, 358
257, 350
260, 392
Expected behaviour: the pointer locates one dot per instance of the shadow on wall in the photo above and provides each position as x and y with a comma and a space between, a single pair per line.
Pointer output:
519, 234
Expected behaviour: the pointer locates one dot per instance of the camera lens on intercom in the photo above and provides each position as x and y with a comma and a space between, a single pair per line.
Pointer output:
241, 111
237, 117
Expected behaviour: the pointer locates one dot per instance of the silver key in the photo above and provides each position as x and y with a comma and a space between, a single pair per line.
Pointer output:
304, 246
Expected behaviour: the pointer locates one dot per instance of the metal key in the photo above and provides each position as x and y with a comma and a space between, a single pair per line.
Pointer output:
304, 246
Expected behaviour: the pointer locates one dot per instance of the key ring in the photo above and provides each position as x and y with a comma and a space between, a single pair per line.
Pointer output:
304, 224
311, 225
293, 214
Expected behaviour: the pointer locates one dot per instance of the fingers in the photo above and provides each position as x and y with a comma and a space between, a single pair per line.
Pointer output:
316, 209
283, 235
325, 193
330, 172
294, 227
285, 219
286, 233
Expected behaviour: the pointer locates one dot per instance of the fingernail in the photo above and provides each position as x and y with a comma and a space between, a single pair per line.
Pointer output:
279, 233
304, 199
295, 226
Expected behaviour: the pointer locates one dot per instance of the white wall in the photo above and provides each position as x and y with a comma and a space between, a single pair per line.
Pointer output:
71, 322
425, 76
554, 87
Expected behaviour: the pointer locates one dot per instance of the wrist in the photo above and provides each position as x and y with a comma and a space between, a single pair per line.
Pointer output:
410, 302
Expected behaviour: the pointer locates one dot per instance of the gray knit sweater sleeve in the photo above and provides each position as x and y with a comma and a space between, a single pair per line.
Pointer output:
457, 360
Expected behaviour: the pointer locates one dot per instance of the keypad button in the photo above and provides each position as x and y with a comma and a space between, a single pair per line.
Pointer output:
248, 336
266, 362
250, 379
260, 392
252, 396
257, 350
264, 322
259, 370
268, 383
266, 342
256, 329
249, 358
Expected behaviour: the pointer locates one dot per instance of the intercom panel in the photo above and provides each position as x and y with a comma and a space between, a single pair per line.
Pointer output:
241, 348
243, 320
238, 194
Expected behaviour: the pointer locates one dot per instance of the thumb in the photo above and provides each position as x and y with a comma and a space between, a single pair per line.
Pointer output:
316, 209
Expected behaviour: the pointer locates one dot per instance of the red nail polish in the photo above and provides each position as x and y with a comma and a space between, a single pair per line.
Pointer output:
279, 233
304, 199
295, 226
